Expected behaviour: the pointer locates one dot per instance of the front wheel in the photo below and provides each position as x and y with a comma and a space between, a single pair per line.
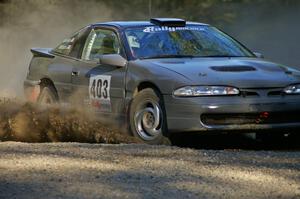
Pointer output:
147, 117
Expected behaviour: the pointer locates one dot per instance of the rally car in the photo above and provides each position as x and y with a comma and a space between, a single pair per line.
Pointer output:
164, 76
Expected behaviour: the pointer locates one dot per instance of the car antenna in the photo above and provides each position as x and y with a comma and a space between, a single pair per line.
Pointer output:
150, 8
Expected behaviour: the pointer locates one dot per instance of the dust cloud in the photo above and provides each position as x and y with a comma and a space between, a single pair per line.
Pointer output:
25, 24
31, 123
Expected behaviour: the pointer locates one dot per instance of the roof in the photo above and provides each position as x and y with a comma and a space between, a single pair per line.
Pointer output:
126, 24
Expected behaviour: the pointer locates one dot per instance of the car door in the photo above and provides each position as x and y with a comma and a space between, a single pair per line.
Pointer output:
66, 56
100, 87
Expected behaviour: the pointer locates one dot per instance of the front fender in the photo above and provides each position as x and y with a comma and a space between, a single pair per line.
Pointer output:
164, 79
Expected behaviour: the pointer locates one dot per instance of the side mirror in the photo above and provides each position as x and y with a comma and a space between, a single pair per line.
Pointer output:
259, 55
113, 60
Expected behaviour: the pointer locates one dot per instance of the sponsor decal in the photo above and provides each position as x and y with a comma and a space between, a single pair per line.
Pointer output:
171, 29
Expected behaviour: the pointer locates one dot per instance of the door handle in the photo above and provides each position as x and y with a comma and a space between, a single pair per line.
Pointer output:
75, 73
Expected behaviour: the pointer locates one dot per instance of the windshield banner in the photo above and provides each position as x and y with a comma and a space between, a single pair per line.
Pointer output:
171, 29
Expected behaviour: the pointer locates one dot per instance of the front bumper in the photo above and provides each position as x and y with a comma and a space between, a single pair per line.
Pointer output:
186, 114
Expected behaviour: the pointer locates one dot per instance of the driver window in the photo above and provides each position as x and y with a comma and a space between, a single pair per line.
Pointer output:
100, 42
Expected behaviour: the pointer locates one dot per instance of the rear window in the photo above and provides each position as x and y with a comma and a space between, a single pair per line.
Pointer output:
72, 46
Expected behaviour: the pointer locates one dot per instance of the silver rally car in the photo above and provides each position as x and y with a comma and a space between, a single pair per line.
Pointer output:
165, 76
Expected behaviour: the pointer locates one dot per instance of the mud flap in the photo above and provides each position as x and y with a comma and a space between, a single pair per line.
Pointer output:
32, 90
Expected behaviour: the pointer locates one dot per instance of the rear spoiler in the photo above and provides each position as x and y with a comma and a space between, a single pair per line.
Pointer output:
42, 52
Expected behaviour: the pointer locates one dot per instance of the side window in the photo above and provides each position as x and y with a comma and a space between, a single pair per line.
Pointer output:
100, 42
72, 47
66, 46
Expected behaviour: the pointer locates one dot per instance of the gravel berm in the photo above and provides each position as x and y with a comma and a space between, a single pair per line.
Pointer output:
75, 170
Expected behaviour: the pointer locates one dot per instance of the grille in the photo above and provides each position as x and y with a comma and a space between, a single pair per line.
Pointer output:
275, 93
249, 93
250, 118
262, 92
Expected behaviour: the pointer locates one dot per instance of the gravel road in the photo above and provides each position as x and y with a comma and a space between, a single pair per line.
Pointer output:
73, 170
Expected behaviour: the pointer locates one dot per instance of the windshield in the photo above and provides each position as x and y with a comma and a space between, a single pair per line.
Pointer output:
189, 41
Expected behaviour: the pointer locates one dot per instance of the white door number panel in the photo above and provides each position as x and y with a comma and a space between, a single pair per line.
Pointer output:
99, 92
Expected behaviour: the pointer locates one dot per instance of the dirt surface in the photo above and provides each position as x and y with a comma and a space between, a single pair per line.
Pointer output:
72, 170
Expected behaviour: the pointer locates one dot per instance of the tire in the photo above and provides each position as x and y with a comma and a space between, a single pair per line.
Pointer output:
147, 118
47, 96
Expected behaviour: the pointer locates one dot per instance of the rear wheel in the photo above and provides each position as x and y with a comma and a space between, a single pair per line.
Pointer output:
147, 117
47, 96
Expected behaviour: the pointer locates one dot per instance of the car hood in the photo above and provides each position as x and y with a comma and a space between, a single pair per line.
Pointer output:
238, 72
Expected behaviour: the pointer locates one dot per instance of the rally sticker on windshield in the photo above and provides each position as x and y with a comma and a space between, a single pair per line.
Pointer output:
171, 29
99, 92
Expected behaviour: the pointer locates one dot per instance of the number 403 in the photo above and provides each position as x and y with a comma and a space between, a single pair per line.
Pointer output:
99, 88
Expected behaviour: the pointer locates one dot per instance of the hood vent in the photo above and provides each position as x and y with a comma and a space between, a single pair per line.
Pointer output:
233, 68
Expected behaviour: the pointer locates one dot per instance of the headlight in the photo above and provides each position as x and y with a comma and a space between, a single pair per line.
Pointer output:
193, 91
293, 89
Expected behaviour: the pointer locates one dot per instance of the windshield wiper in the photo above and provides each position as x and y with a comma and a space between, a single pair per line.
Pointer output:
222, 56
186, 56
168, 56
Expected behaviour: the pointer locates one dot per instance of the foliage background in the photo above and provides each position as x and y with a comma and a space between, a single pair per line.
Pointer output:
267, 26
